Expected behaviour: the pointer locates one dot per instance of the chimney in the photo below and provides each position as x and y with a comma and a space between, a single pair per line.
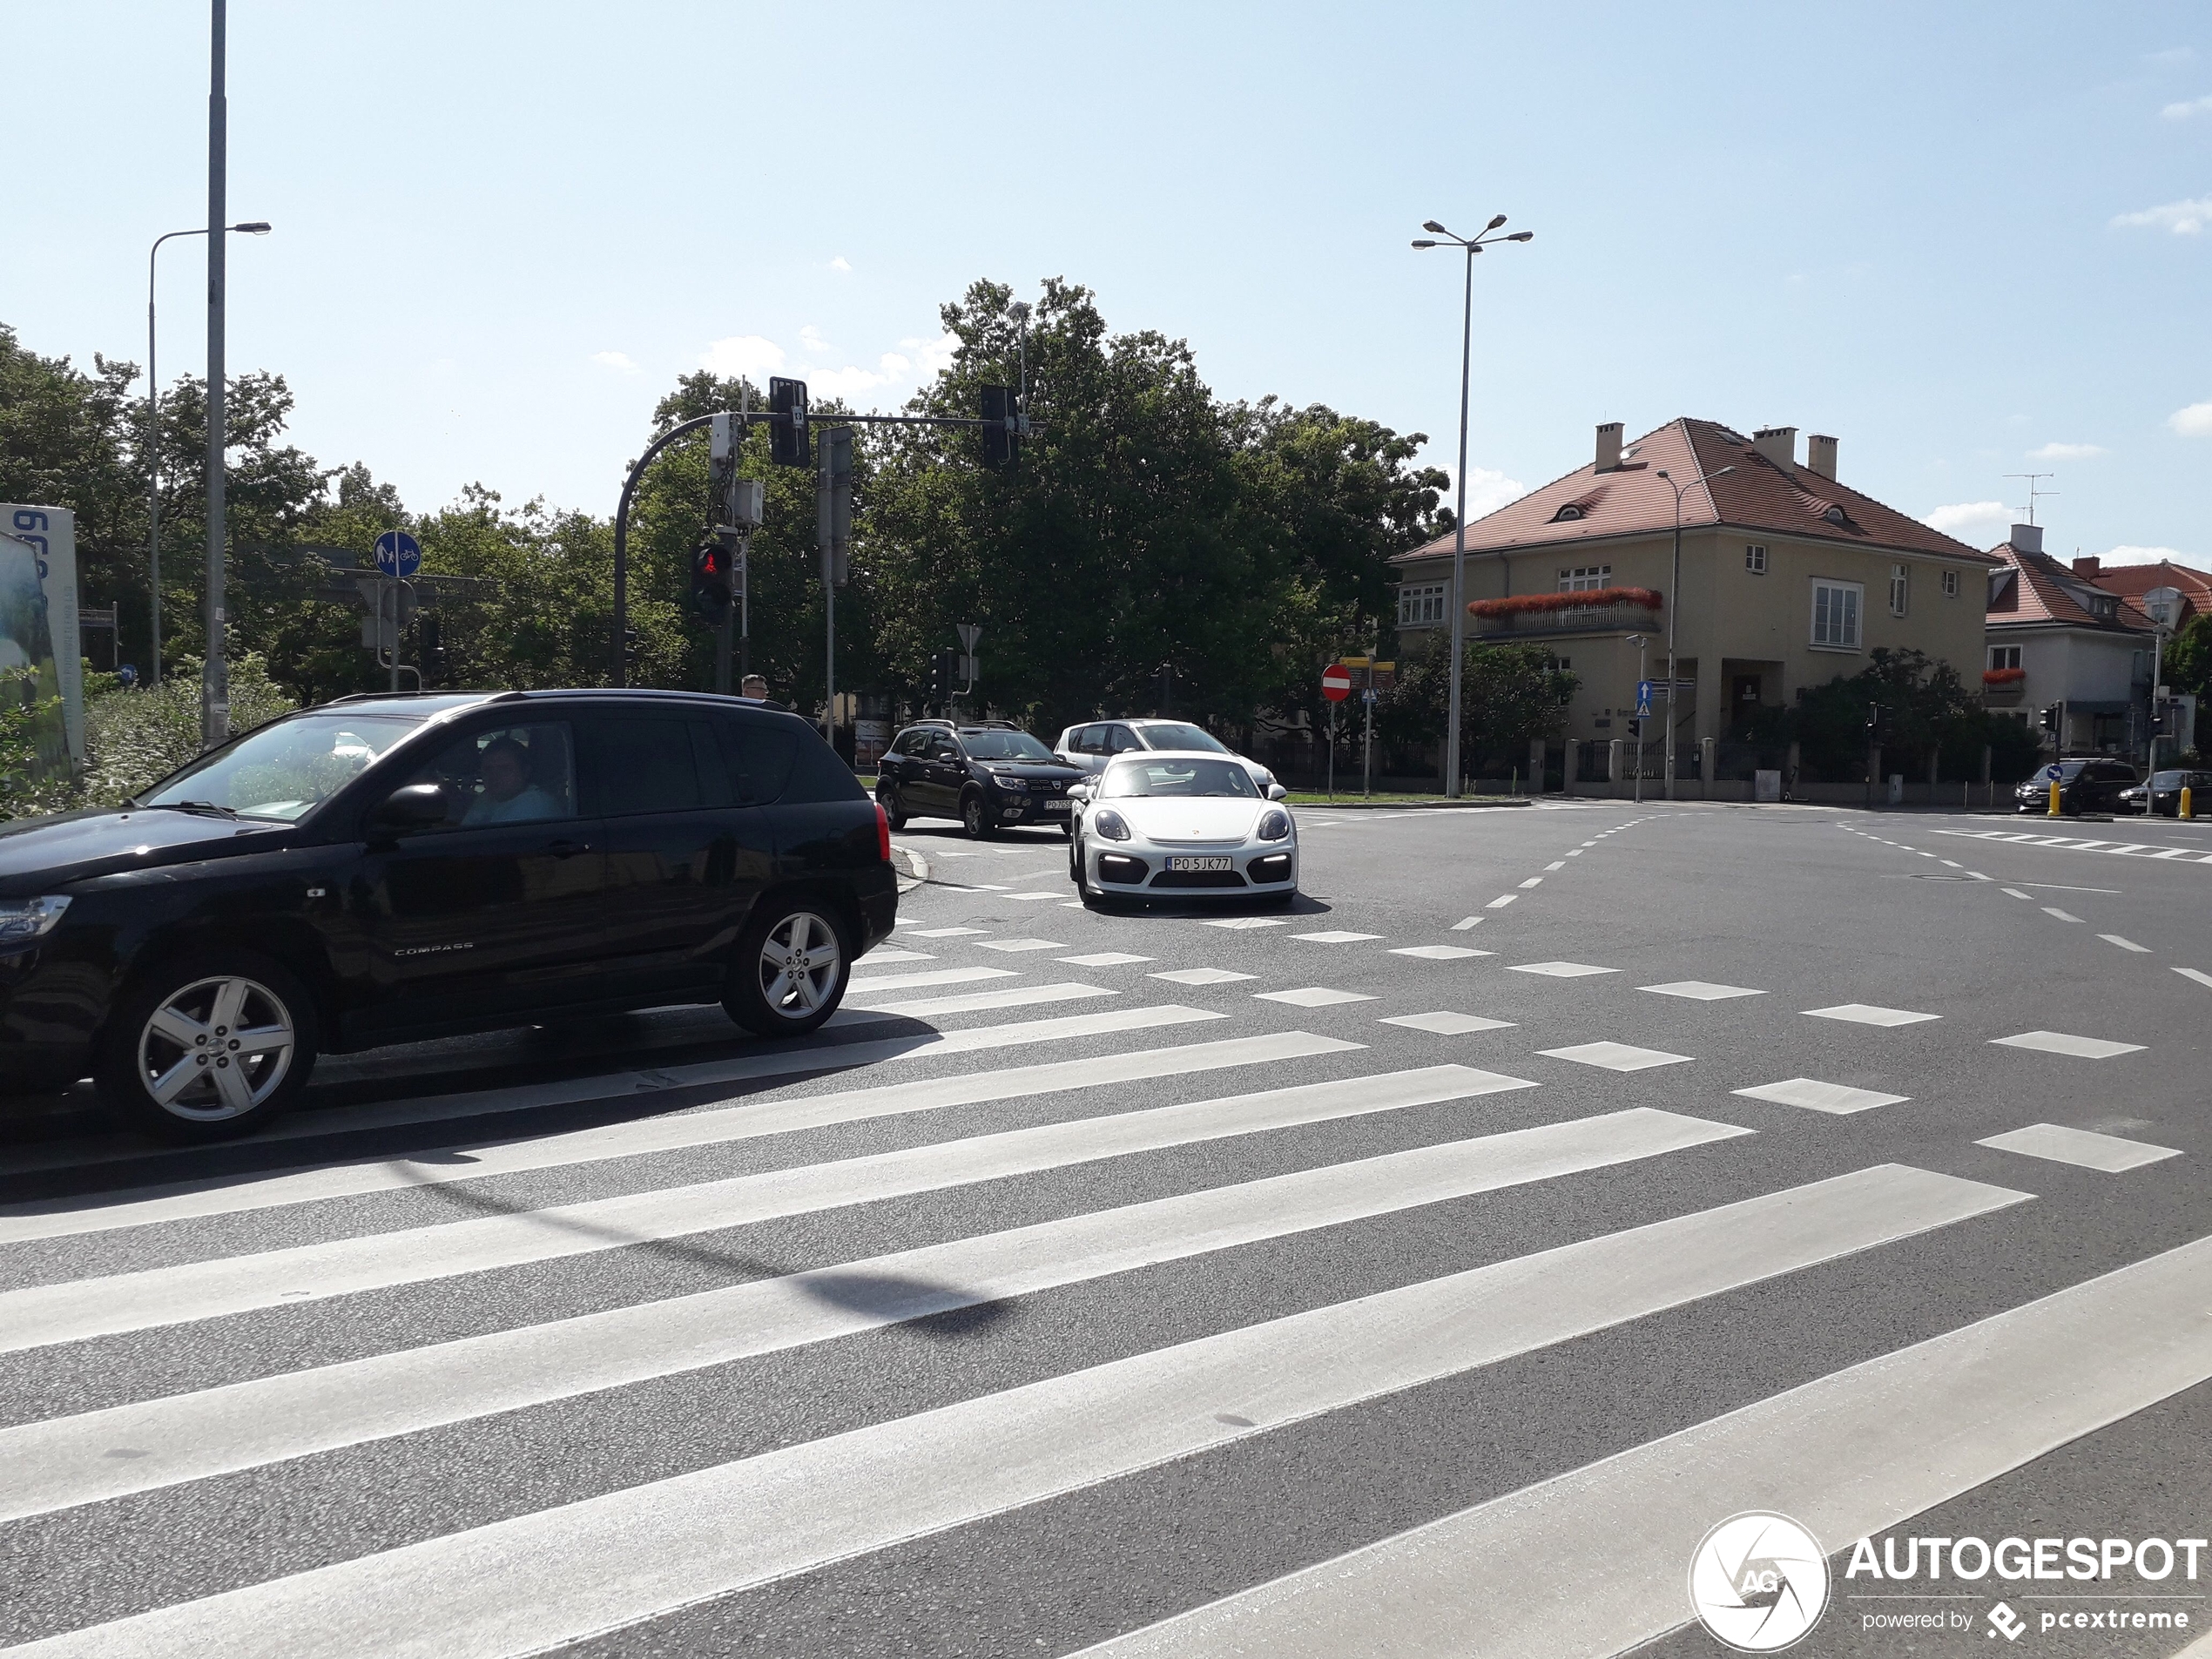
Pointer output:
2027, 538
1777, 443
1609, 446
2089, 569
1820, 456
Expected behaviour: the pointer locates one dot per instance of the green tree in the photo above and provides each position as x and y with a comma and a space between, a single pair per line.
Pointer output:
1508, 694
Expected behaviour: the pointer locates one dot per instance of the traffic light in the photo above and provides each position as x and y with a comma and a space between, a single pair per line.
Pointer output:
834, 503
631, 650
2050, 718
1001, 446
710, 573
787, 444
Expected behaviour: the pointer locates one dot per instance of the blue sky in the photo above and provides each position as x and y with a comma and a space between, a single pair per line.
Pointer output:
1968, 240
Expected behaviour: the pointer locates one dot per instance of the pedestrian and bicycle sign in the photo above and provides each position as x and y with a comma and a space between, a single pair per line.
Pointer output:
398, 554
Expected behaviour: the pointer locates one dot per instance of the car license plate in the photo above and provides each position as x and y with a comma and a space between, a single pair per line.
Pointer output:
1189, 861
1058, 805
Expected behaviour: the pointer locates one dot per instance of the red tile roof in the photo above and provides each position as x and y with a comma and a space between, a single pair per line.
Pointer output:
2042, 590
2134, 581
1757, 494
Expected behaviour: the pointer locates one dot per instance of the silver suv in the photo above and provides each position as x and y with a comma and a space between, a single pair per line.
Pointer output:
1091, 746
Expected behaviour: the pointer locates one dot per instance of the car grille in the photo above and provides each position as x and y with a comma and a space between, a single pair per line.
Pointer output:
1197, 878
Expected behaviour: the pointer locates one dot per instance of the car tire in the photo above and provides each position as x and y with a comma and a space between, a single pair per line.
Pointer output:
794, 962
1079, 867
976, 817
247, 1013
895, 814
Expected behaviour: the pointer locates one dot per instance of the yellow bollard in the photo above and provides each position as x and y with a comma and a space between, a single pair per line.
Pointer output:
2187, 811
2054, 798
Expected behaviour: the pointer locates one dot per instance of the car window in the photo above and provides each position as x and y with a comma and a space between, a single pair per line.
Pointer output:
941, 748
643, 765
1177, 735
988, 745
913, 743
756, 758
283, 769
1163, 775
2060, 772
507, 774
1121, 740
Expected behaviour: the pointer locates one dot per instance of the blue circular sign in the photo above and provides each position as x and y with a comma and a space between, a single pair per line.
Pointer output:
398, 554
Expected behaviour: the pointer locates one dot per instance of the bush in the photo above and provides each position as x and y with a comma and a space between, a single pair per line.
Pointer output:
133, 738
29, 728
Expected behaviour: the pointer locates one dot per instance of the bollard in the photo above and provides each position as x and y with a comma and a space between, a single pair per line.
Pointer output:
2054, 798
2187, 809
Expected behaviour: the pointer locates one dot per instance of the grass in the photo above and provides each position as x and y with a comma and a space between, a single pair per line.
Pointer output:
1315, 798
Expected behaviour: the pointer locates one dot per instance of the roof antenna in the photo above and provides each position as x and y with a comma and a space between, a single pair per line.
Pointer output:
2033, 494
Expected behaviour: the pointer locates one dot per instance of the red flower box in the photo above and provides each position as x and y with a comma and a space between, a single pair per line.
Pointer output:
1589, 599
2003, 676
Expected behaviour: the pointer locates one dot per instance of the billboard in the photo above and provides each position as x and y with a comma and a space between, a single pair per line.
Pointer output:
38, 612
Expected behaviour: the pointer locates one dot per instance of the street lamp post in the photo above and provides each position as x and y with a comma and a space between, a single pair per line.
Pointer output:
1473, 245
256, 227
1674, 592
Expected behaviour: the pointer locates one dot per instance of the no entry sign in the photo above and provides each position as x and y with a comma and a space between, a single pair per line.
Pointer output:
1336, 682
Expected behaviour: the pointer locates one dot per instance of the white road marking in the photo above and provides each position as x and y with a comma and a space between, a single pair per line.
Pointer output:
1019, 997
1577, 854
1534, 881
58, 1463
878, 956
1556, 864
2017, 894
1447, 1024
927, 976
2125, 944
1501, 901
40, 1314
1821, 1097
1867, 1013
1106, 959
1313, 997
2198, 974
2053, 910
1440, 953
1201, 976
1616, 1057
539, 1580
2084, 1148
1466, 922
1335, 936
2059, 1042
1021, 944
1560, 970
1700, 990
1250, 921
946, 933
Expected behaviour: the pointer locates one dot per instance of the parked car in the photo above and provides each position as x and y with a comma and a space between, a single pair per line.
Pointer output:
1091, 746
1196, 826
384, 869
988, 775
2091, 784
2165, 789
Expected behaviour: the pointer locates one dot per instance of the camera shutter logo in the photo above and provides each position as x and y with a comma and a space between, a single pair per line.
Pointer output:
1758, 1582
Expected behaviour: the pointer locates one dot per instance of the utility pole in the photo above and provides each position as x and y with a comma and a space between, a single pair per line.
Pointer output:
215, 680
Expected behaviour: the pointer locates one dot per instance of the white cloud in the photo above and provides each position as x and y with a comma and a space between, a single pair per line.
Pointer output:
811, 342
2194, 421
841, 263
2143, 556
2172, 55
2187, 107
2183, 217
620, 362
1488, 490
1963, 519
2065, 452
936, 355
746, 354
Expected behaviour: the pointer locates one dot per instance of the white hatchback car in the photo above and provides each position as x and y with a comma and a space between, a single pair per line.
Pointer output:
1186, 825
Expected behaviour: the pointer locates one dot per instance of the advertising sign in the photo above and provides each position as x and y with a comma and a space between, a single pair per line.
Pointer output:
39, 614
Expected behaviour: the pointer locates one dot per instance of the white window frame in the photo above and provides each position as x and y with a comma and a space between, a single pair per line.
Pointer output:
1838, 614
2004, 656
1900, 589
1420, 603
1950, 584
1586, 579
1755, 558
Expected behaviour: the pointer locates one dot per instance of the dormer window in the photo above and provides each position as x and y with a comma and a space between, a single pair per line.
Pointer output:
1567, 515
1836, 515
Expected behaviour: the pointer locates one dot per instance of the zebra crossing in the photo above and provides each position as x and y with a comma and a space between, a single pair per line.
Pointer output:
825, 1222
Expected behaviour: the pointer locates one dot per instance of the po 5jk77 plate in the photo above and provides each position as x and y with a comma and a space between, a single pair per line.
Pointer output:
1192, 861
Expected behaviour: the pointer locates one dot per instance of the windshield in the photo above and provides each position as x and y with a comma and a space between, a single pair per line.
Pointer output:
1004, 745
1178, 736
2169, 780
283, 770
1160, 775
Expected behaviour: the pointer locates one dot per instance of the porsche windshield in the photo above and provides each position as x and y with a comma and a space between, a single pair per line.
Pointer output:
1178, 775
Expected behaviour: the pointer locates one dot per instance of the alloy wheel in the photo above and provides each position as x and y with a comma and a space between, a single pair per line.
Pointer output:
216, 1049
799, 964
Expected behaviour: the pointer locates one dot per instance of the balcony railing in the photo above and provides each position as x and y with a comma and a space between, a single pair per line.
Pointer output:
1546, 615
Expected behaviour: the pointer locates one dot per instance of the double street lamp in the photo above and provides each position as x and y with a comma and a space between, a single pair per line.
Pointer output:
1674, 592
252, 227
1473, 245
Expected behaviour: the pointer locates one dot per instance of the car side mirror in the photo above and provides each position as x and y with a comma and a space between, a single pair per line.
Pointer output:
415, 806
1276, 791
1078, 791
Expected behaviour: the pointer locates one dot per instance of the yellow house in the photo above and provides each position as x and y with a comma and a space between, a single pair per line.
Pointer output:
1788, 579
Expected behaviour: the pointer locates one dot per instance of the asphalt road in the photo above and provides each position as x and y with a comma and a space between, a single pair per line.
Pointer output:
1425, 1271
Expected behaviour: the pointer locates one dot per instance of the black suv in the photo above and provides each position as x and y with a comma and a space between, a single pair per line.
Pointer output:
2089, 785
987, 775
384, 869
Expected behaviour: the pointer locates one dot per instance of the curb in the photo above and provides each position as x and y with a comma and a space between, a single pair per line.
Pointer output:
914, 869
1407, 806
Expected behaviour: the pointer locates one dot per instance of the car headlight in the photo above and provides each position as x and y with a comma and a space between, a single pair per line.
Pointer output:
1110, 824
1275, 825
25, 919
1017, 784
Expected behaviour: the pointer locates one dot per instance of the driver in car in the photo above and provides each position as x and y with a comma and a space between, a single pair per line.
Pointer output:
508, 795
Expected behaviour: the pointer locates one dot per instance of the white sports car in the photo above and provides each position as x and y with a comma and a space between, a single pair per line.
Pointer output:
1182, 823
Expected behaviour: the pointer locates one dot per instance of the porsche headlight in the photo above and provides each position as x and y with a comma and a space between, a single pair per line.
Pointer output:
1275, 825
1110, 824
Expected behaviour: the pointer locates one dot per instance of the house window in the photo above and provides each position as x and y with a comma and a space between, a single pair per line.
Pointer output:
2004, 656
1755, 560
1585, 578
1950, 584
1835, 615
1417, 606
1899, 590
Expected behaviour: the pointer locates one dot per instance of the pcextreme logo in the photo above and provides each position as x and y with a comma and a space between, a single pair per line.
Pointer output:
1758, 1582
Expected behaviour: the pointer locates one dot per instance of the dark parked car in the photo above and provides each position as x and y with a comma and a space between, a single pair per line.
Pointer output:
2090, 784
2165, 791
384, 869
988, 775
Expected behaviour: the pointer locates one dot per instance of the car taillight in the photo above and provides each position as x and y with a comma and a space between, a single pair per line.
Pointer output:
882, 833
